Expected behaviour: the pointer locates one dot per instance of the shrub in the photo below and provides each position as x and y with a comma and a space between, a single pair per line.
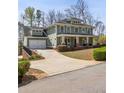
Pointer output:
35, 57
23, 67
99, 54
62, 48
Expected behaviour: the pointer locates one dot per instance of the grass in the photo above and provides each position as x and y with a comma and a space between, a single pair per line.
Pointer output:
86, 54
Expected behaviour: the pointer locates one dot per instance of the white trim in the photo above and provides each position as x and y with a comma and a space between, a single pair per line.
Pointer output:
35, 37
76, 35
76, 25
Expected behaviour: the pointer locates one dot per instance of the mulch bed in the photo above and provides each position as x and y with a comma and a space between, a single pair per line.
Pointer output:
31, 75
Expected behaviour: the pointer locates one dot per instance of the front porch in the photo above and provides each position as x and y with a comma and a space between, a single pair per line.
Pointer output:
75, 41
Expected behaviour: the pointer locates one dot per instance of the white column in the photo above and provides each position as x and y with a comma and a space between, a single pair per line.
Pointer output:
63, 40
87, 40
77, 41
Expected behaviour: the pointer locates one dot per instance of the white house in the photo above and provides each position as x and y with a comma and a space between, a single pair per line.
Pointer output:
71, 32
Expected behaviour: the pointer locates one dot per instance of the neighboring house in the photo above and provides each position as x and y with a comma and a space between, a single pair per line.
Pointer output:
71, 32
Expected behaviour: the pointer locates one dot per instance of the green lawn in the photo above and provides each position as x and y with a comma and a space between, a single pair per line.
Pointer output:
86, 54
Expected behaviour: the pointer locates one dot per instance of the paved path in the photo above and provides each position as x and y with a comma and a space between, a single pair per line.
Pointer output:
87, 80
56, 63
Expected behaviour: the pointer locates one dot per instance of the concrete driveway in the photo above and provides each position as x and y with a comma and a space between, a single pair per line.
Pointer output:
56, 63
88, 80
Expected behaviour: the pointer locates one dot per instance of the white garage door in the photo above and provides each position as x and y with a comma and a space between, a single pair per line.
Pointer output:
37, 44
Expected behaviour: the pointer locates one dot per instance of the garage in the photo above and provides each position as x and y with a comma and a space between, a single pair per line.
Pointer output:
37, 44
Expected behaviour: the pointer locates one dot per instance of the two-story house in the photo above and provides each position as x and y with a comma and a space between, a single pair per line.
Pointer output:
71, 32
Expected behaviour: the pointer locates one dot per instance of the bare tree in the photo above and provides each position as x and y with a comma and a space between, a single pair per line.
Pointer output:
59, 16
100, 32
82, 10
51, 17
100, 28
43, 23
79, 10
90, 19
72, 12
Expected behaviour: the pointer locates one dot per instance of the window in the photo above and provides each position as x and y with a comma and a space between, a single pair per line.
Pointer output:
58, 28
68, 29
65, 29
80, 29
72, 29
84, 30
91, 29
62, 29
76, 30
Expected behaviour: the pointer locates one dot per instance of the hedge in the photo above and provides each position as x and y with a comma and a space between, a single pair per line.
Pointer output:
62, 48
99, 54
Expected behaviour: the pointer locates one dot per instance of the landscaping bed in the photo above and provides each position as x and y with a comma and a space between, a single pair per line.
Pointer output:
27, 74
30, 54
23, 67
31, 75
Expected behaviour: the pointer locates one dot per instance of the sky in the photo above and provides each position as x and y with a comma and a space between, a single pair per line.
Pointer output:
96, 7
